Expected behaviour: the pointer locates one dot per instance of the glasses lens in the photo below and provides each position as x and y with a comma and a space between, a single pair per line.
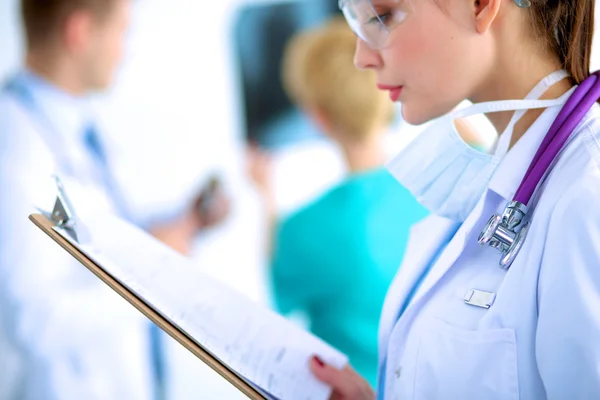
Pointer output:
373, 23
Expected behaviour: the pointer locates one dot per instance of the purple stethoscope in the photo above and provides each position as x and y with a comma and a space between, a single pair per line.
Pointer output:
507, 232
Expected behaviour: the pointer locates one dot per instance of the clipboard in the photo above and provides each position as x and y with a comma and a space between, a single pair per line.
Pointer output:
62, 219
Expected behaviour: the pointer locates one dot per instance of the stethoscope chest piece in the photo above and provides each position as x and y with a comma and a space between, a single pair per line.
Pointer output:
505, 232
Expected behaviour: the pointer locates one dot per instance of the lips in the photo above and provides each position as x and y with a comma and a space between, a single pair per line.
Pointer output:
395, 91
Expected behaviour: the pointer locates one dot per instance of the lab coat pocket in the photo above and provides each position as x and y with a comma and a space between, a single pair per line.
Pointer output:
454, 363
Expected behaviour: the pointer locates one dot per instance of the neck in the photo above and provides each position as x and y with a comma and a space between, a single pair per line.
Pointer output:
363, 155
56, 70
509, 81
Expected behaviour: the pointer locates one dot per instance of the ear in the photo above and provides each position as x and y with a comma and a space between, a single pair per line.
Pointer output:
486, 12
77, 30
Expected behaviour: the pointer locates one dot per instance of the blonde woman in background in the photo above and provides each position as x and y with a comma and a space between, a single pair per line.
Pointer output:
334, 259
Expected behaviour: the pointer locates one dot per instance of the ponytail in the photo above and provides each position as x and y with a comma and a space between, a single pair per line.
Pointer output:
568, 26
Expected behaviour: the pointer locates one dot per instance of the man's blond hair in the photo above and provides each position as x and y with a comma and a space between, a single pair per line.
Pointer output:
319, 73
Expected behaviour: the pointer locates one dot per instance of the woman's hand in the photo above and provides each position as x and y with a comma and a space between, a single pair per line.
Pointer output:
346, 384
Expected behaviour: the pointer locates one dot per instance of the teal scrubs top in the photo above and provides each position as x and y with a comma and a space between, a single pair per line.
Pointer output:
335, 259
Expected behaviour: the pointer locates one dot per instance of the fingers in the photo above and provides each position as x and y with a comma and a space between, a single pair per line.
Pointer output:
217, 211
346, 383
212, 205
326, 373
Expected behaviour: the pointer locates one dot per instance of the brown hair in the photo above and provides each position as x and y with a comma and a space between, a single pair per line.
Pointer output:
319, 73
568, 27
43, 18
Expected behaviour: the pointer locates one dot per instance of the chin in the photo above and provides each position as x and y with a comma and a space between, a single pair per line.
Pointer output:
422, 113
415, 116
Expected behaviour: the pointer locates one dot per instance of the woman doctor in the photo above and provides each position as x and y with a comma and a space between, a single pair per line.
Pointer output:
457, 325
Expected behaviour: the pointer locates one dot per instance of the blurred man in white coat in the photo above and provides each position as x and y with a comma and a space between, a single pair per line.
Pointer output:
63, 334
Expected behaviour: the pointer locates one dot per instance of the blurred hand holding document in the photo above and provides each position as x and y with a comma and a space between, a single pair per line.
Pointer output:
256, 350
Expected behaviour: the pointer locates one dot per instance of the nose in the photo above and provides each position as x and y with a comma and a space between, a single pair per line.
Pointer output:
365, 57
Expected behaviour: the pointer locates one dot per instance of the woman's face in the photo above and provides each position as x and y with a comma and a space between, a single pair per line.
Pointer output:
433, 59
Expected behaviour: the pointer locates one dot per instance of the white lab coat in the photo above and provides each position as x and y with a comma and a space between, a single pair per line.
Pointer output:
541, 337
63, 333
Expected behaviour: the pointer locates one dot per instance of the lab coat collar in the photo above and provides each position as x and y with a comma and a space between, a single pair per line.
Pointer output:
69, 115
511, 170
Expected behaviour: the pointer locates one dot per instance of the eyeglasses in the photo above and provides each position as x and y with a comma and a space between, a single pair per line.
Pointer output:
374, 23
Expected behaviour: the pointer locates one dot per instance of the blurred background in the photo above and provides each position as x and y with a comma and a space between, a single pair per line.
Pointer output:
200, 80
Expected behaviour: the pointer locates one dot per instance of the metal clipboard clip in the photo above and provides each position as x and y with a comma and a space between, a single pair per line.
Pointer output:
63, 213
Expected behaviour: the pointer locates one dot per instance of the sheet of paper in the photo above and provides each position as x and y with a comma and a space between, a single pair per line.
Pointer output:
257, 343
